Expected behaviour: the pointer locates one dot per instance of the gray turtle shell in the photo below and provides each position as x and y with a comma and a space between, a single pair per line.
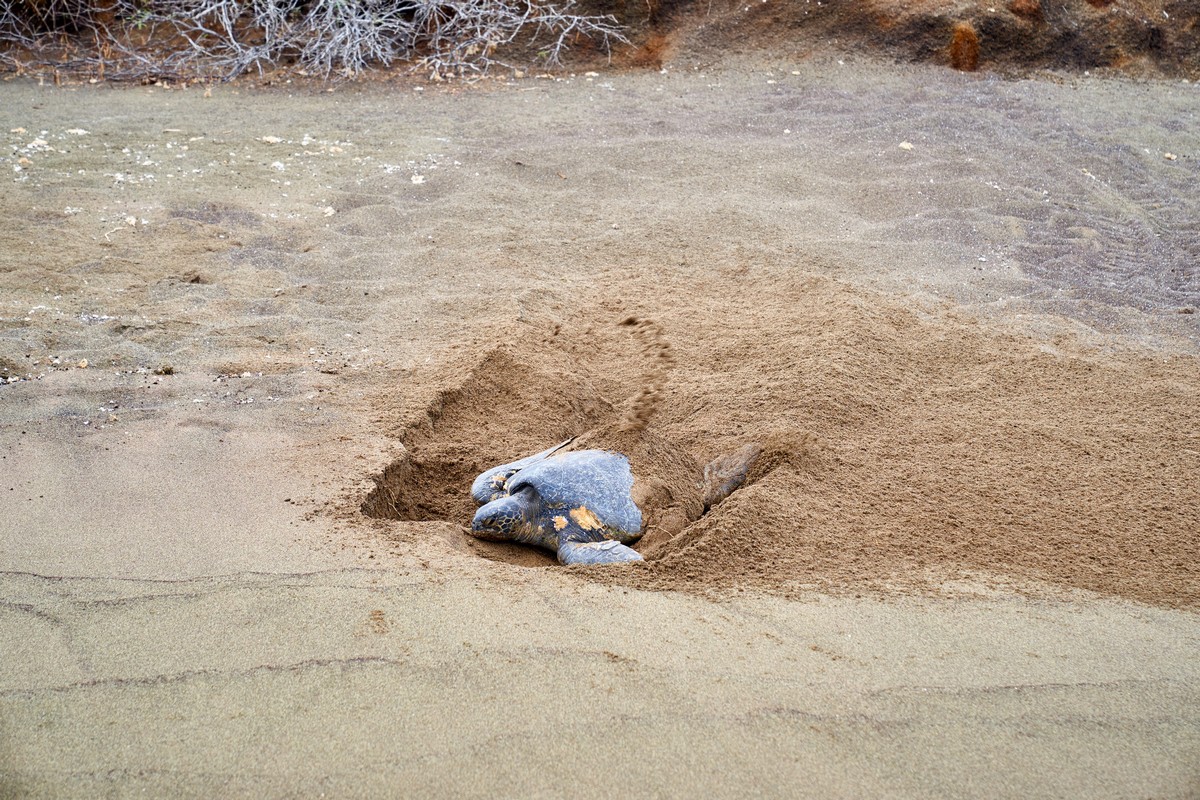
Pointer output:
491, 484
599, 480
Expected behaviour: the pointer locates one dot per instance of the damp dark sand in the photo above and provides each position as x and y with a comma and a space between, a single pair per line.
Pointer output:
233, 548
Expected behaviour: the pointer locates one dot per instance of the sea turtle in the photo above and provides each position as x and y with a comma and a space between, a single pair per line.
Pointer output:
585, 504
578, 504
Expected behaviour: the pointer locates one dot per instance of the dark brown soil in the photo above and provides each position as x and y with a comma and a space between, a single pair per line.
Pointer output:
1138, 36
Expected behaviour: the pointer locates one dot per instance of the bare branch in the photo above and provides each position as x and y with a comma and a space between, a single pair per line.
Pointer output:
149, 39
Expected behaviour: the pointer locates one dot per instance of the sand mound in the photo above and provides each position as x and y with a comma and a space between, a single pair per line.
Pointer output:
898, 448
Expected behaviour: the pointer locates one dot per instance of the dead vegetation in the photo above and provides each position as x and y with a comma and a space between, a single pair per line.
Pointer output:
221, 39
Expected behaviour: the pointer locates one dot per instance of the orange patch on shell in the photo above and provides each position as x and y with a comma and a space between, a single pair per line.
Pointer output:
584, 517
560, 522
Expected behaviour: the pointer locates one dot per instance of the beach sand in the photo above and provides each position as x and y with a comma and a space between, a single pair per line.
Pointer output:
256, 343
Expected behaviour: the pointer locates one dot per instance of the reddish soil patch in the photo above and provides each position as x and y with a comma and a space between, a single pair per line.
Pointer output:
1142, 36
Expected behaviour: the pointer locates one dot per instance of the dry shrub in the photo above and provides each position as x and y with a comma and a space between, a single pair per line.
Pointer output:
137, 39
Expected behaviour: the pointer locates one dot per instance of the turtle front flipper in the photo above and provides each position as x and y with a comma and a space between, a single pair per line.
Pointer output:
605, 552
582, 539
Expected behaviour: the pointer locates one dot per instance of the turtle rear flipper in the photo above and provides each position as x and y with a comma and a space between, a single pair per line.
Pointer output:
606, 552
724, 474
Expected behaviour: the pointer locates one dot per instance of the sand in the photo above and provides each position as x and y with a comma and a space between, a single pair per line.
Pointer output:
257, 342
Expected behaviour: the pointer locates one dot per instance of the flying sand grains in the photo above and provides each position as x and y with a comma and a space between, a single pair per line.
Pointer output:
656, 348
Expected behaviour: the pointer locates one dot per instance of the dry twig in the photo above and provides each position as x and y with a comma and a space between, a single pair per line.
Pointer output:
205, 39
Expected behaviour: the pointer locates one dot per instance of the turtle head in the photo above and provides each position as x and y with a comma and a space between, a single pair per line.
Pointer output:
509, 518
